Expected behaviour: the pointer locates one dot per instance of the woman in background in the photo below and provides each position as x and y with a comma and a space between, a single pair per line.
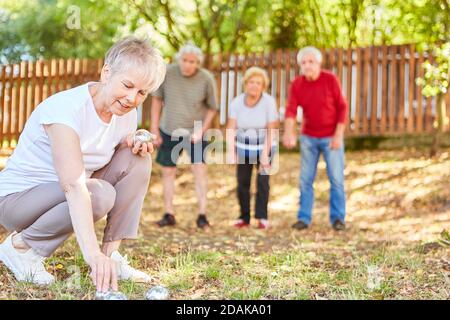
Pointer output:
252, 121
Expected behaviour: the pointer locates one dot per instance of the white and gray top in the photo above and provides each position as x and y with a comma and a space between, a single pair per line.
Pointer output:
252, 121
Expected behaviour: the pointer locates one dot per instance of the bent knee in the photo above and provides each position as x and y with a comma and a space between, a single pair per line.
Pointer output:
143, 165
103, 197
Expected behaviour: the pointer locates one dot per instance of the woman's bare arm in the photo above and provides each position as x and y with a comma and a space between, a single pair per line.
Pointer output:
271, 127
68, 163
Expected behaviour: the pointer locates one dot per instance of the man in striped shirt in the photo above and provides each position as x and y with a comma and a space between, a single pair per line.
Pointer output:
187, 100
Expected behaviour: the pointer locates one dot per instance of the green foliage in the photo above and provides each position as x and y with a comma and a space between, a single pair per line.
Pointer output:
350, 23
214, 25
436, 77
58, 28
48, 28
285, 25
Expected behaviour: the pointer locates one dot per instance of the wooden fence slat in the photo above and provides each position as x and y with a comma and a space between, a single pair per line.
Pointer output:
324, 58
38, 89
374, 106
40, 77
22, 97
420, 120
2, 101
296, 65
57, 75
44, 78
218, 74
447, 102
99, 69
349, 64
32, 89
384, 93
332, 64
365, 93
65, 75
76, 73
72, 75
270, 69
227, 86
245, 64
85, 72
429, 119
411, 83
52, 87
287, 80
401, 95
146, 105
26, 90
358, 104
278, 85
235, 71
393, 86
339, 64
254, 57
16, 106
262, 60
146, 109
8, 104
90, 71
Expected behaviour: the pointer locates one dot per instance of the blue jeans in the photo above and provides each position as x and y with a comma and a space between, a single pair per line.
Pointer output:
310, 152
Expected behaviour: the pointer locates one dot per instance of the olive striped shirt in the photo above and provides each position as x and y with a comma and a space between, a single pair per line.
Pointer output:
185, 99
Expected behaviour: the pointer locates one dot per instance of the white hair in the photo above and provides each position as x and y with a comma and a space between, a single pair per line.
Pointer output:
309, 50
188, 48
137, 53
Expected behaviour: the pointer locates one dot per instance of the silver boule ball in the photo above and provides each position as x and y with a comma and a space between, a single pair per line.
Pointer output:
143, 136
110, 295
157, 293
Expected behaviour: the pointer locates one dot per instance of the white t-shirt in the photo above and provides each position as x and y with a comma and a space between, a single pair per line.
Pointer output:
251, 122
31, 163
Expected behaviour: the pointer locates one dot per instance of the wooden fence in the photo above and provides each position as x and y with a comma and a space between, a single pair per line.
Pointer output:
378, 82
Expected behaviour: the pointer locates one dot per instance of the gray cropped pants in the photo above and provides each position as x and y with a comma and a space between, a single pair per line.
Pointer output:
117, 190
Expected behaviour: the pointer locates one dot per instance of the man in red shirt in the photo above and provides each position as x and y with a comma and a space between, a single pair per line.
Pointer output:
319, 95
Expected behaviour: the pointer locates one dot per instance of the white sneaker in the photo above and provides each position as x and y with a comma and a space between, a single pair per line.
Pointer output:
28, 266
126, 272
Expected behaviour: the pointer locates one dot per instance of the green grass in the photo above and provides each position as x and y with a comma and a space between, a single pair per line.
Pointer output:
288, 274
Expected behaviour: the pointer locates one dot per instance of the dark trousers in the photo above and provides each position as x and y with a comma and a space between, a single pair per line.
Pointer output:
244, 177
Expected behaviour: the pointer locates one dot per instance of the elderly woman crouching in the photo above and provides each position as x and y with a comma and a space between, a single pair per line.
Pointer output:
252, 122
75, 163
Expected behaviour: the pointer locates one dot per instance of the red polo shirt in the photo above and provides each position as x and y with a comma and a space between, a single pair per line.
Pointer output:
322, 102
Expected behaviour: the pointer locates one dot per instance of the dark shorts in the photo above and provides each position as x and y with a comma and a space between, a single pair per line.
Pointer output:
171, 148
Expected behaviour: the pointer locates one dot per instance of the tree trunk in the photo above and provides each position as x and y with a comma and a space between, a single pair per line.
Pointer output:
440, 127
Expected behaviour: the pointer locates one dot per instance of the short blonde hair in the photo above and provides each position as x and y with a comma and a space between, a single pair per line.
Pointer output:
132, 52
256, 72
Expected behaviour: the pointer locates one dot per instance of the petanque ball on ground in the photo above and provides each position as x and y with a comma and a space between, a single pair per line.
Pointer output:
157, 293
